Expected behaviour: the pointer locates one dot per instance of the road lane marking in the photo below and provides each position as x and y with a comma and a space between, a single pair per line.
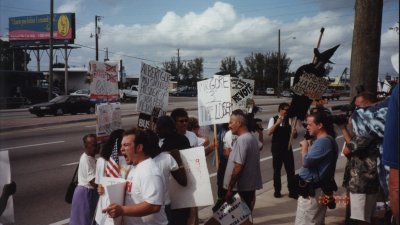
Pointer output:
70, 164
34, 145
62, 222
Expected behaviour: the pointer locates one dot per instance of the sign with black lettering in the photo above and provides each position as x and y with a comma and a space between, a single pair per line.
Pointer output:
242, 90
153, 90
311, 86
234, 213
108, 119
214, 100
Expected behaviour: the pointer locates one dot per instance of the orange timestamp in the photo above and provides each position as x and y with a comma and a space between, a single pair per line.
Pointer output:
338, 199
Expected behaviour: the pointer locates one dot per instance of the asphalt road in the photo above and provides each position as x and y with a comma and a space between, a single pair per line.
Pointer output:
43, 161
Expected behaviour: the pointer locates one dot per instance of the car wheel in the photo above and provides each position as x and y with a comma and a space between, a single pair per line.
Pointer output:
91, 110
59, 112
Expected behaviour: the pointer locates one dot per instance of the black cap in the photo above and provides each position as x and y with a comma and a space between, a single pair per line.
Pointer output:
326, 55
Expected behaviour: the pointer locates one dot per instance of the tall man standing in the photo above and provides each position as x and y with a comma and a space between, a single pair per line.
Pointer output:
280, 129
243, 174
144, 198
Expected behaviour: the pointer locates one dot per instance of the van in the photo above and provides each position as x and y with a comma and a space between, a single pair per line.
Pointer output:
270, 91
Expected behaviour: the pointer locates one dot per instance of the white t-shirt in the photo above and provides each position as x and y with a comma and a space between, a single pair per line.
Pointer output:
146, 183
193, 140
228, 139
86, 171
166, 163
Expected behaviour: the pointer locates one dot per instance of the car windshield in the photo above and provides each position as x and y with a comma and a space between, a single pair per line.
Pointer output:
59, 99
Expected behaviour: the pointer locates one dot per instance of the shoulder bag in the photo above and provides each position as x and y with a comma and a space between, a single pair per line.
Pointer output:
71, 187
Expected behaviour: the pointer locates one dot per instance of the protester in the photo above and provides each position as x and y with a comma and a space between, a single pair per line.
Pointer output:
193, 126
391, 151
223, 155
282, 153
243, 174
108, 165
8, 190
181, 118
85, 196
171, 142
144, 198
361, 174
168, 166
318, 168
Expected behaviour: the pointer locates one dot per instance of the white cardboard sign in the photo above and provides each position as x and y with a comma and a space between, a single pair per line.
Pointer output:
104, 86
108, 118
198, 190
235, 213
5, 178
153, 90
214, 100
242, 90
114, 192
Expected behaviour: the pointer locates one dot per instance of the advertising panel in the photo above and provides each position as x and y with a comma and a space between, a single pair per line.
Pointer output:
30, 30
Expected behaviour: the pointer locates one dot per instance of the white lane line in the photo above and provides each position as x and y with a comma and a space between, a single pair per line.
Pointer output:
62, 222
70, 164
91, 126
34, 145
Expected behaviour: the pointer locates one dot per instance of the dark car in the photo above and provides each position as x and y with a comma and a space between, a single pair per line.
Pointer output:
64, 104
187, 93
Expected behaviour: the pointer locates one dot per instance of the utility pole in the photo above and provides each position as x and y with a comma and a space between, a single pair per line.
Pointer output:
179, 63
279, 59
51, 51
106, 58
97, 31
366, 45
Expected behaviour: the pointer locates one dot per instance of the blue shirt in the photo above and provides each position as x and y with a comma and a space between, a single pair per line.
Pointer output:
391, 138
320, 161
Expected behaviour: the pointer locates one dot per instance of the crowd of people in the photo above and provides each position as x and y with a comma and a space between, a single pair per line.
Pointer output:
149, 159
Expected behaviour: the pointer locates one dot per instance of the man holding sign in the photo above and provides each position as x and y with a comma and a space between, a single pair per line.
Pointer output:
243, 174
144, 198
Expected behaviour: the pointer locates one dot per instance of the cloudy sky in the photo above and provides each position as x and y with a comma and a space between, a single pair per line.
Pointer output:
152, 30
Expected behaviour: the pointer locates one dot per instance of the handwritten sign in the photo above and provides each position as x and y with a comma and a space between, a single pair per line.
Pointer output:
153, 89
242, 90
198, 190
214, 100
7, 217
311, 86
234, 213
104, 86
114, 192
108, 119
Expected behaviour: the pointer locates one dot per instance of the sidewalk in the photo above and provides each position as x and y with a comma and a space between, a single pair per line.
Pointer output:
282, 211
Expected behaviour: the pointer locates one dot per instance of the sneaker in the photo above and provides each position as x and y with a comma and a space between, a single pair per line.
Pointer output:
294, 196
277, 195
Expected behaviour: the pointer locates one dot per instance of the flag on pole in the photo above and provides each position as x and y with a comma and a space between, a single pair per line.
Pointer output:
112, 168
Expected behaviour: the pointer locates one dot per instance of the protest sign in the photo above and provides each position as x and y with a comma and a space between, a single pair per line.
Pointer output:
114, 192
311, 86
104, 85
108, 119
149, 121
7, 217
153, 90
241, 90
233, 213
198, 190
214, 100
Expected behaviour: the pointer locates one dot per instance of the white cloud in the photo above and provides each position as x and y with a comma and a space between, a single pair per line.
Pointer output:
218, 32
70, 6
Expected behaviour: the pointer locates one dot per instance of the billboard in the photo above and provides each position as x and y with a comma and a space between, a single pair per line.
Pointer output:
32, 30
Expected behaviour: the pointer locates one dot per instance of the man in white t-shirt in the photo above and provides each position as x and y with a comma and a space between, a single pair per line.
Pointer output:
145, 190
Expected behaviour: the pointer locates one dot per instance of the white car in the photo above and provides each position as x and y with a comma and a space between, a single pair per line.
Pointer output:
82, 92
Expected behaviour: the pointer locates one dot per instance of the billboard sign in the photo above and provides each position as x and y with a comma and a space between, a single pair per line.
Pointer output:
30, 30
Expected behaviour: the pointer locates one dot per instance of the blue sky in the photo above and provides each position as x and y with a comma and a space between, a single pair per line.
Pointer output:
155, 29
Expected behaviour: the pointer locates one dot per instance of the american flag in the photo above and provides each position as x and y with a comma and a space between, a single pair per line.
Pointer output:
112, 168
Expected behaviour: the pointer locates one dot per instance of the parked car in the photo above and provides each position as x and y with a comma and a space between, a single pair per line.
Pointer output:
64, 104
331, 94
82, 92
130, 92
286, 94
187, 93
270, 91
